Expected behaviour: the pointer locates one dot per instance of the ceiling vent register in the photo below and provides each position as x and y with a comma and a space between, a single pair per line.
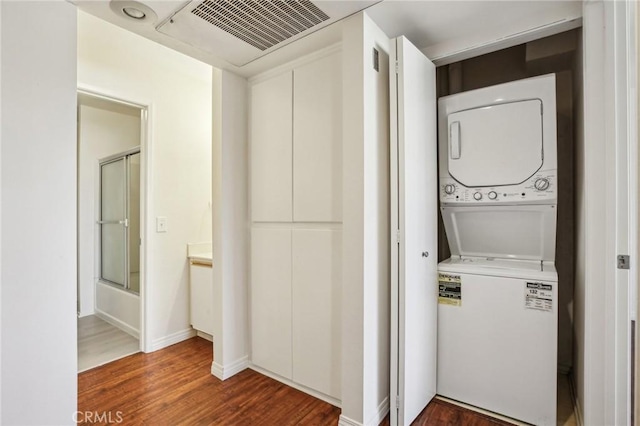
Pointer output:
261, 23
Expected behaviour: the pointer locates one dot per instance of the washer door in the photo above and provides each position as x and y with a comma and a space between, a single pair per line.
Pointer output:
497, 144
525, 232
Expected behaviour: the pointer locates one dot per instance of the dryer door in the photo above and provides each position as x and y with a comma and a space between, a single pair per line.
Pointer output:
497, 144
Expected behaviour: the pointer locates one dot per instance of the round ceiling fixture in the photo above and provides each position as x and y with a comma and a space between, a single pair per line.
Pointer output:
133, 11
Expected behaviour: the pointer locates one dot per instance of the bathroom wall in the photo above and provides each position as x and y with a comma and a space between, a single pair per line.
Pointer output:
178, 90
104, 129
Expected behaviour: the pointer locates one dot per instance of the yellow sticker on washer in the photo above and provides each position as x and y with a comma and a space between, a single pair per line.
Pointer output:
449, 289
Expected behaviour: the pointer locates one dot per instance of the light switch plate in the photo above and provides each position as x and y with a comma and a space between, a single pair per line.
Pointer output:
161, 224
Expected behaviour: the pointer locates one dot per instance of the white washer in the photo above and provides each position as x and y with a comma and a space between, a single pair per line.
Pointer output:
497, 312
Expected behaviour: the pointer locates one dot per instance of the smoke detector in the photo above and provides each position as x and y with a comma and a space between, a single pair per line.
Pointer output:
240, 31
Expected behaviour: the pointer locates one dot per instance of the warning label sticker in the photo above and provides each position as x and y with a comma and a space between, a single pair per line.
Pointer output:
449, 289
538, 296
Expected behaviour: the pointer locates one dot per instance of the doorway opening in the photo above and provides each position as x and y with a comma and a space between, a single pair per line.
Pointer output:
111, 188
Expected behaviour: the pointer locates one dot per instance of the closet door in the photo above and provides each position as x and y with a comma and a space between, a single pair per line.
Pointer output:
271, 299
317, 275
271, 149
317, 141
414, 228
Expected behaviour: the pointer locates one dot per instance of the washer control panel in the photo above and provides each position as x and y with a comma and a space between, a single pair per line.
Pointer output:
541, 187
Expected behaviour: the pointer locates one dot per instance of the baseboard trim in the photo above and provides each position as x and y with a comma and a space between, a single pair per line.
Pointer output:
346, 421
383, 409
83, 314
172, 339
223, 372
117, 323
302, 388
204, 335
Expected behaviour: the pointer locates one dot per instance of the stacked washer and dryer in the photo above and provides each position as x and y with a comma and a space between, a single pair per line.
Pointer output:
498, 303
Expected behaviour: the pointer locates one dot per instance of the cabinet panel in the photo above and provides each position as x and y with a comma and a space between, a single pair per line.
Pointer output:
271, 299
317, 141
201, 280
271, 150
317, 277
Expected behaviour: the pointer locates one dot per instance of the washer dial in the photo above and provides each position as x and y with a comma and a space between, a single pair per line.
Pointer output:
477, 196
541, 184
449, 189
493, 195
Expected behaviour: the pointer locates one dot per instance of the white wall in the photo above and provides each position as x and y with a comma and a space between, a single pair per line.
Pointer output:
230, 224
38, 166
366, 281
177, 89
103, 130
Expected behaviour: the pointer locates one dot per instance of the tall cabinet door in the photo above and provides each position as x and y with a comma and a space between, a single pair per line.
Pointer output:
317, 275
317, 141
272, 150
271, 299
414, 289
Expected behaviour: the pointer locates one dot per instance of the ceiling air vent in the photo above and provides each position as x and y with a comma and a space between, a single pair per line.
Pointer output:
261, 23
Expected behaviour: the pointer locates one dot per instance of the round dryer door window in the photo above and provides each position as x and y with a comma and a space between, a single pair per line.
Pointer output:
496, 145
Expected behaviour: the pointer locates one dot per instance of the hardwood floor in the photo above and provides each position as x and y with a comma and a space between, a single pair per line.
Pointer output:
174, 386
99, 343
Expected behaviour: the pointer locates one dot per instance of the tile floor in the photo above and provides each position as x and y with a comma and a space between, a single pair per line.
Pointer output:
99, 343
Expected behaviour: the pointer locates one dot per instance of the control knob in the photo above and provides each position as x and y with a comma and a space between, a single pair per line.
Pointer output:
541, 184
477, 196
449, 189
493, 195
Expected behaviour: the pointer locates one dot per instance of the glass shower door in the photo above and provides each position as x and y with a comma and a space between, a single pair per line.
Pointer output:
120, 221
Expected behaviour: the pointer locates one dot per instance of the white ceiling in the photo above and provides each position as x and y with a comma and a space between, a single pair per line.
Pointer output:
439, 28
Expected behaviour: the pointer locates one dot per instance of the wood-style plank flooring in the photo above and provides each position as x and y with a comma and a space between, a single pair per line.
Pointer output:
174, 386
99, 343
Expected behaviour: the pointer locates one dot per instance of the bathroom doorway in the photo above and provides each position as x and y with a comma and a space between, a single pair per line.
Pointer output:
111, 195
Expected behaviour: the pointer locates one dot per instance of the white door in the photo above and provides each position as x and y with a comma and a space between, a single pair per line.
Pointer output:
414, 223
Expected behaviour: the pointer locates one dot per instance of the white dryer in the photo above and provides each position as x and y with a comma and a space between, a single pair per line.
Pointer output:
497, 312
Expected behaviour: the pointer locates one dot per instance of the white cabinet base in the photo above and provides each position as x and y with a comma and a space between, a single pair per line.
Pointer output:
201, 281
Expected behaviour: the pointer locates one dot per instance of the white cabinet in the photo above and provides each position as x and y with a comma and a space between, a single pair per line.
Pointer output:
316, 284
271, 149
201, 281
317, 141
271, 299
296, 144
296, 252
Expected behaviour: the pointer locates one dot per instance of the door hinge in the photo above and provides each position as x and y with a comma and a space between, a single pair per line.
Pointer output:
397, 67
397, 236
623, 261
376, 60
397, 402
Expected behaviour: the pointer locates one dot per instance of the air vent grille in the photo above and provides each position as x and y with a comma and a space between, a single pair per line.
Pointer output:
261, 23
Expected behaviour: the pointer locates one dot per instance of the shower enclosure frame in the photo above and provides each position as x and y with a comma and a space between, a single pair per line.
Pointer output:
126, 222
